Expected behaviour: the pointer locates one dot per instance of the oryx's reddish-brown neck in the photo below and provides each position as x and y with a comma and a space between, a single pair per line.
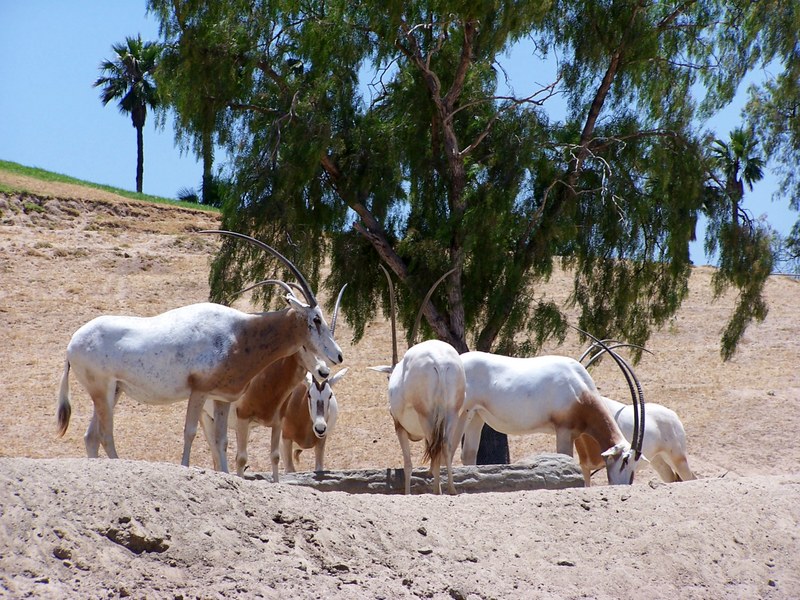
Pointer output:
596, 421
260, 340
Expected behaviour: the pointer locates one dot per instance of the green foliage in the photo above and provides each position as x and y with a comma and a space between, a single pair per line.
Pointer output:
128, 79
772, 27
435, 171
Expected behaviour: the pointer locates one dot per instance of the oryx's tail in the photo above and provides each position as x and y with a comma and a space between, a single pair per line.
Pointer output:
435, 442
63, 408
434, 447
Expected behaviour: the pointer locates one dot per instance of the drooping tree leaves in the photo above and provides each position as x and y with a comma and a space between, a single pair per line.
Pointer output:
432, 170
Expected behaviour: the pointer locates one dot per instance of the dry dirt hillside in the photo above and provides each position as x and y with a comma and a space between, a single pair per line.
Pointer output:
145, 527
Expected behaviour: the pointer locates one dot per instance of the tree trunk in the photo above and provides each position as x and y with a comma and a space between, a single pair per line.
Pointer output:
139, 158
208, 161
493, 449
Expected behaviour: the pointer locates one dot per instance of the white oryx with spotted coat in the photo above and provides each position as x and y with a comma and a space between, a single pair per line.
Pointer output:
197, 352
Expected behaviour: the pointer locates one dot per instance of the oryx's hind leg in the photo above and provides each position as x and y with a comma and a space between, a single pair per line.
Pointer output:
436, 463
405, 446
101, 426
242, 438
681, 467
220, 448
455, 429
663, 469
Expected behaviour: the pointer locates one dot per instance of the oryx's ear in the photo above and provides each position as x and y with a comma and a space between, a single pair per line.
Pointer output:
614, 450
295, 303
335, 378
382, 369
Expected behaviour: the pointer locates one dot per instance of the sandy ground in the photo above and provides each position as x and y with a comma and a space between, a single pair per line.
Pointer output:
68, 255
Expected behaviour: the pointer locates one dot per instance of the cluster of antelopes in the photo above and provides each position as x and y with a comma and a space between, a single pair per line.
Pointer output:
272, 368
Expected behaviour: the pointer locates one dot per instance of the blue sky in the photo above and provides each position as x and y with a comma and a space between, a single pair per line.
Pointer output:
51, 116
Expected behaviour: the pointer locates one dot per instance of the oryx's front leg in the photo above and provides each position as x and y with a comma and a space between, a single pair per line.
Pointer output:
193, 410
564, 441
405, 446
472, 438
319, 454
286, 452
274, 451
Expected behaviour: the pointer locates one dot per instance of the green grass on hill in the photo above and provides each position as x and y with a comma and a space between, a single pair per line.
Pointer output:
43, 175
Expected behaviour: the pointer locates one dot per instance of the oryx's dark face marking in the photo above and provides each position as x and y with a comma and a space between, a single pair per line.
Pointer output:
319, 397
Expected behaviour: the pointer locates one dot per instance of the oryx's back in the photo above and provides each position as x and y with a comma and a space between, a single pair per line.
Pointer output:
153, 358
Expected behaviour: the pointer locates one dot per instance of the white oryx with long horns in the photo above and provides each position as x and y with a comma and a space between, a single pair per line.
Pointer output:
663, 435
426, 397
264, 400
543, 394
197, 352
664, 443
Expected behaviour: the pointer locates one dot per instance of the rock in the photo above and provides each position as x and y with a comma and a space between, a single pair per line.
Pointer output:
545, 471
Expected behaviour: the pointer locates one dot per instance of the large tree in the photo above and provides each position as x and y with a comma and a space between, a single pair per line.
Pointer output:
745, 242
200, 75
128, 79
441, 170
773, 110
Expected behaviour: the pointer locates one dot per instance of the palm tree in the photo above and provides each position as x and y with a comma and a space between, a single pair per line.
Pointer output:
129, 79
740, 164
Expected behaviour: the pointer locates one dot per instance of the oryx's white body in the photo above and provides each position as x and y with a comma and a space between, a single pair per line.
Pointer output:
261, 404
197, 352
307, 419
664, 442
541, 394
426, 399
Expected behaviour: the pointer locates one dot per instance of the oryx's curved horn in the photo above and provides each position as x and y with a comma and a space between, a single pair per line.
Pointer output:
336, 309
283, 284
392, 310
614, 347
418, 320
638, 402
312, 300
609, 341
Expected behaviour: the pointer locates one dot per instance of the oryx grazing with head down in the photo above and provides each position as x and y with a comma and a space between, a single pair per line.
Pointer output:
197, 352
663, 437
262, 403
543, 394
426, 398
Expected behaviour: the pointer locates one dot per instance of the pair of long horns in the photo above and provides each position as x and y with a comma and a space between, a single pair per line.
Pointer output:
637, 395
310, 297
418, 320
